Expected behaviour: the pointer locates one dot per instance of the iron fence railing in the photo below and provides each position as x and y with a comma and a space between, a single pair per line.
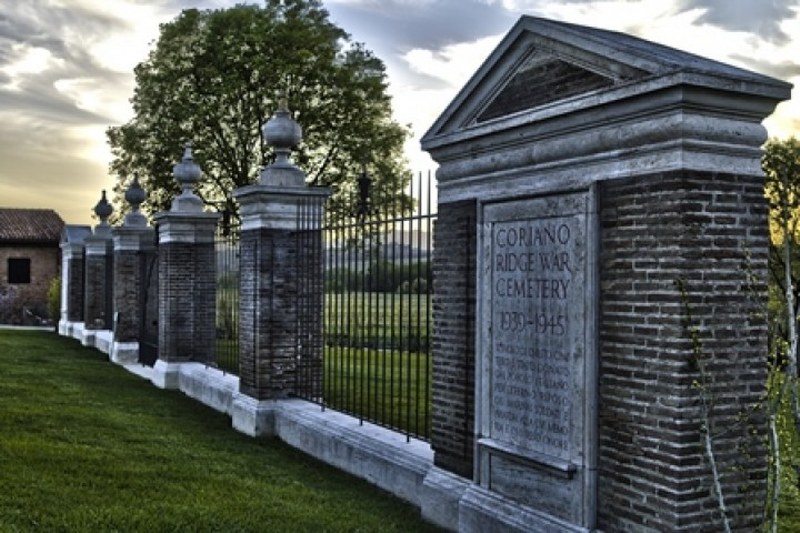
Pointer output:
377, 312
226, 249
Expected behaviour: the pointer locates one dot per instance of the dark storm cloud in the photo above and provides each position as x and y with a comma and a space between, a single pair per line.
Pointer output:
429, 25
759, 17
783, 70
394, 27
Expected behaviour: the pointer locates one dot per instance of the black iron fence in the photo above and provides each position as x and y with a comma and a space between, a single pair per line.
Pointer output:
226, 249
377, 311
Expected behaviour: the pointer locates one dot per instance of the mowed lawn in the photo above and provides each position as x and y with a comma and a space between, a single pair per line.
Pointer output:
86, 446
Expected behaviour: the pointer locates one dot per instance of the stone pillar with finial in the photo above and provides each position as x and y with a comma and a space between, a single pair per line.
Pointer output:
135, 282
186, 279
98, 273
280, 339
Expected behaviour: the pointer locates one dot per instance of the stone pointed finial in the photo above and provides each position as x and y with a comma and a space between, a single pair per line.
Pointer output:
103, 210
187, 172
282, 133
135, 195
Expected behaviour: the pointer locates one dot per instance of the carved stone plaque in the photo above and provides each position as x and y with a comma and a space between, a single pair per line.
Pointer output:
537, 350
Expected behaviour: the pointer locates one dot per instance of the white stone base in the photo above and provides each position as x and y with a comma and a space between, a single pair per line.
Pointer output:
381, 456
440, 496
210, 386
253, 417
124, 353
166, 375
103, 339
87, 337
481, 510
73, 330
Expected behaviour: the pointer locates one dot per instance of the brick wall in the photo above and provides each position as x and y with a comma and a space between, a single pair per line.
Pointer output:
45, 264
453, 379
98, 286
187, 306
127, 281
698, 227
268, 279
75, 289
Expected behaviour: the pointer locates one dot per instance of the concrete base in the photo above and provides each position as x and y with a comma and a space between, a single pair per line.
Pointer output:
73, 330
440, 496
253, 417
381, 456
87, 337
103, 339
166, 375
209, 386
481, 510
124, 353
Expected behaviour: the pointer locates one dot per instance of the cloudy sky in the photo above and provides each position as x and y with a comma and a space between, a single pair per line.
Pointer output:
66, 68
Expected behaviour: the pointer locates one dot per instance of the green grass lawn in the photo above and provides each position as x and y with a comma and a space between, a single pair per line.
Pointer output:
86, 446
387, 387
378, 320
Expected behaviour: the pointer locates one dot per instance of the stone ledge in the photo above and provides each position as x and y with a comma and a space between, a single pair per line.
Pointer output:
124, 353
482, 510
378, 455
440, 496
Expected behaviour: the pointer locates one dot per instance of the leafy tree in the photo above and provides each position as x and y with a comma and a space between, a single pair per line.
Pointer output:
781, 165
215, 76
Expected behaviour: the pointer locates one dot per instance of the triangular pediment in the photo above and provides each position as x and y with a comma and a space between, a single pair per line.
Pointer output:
544, 66
541, 79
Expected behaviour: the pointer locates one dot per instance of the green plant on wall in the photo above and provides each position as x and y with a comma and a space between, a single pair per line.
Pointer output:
54, 300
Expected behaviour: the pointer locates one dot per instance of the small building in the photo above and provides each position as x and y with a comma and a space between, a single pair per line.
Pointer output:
29, 260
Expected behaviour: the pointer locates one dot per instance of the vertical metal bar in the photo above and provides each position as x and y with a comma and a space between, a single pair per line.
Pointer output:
418, 297
429, 313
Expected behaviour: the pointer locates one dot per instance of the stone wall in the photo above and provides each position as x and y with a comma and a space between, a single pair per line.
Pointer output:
656, 230
453, 379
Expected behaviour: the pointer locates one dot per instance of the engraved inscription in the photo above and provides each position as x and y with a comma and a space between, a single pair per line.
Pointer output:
535, 268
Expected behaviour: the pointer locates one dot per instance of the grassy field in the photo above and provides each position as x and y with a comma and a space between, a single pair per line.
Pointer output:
377, 320
386, 387
376, 363
85, 446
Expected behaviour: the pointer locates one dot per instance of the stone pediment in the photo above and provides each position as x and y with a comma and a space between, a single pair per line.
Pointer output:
555, 67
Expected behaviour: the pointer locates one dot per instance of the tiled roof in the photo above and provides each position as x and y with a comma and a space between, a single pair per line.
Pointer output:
30, 225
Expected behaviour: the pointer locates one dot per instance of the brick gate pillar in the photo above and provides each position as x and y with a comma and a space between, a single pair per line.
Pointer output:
186, 280
133, 240
281, 284
72, 249
97, 271
615, 199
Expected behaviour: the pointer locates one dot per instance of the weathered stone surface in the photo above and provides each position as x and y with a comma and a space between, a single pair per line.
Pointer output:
668, 145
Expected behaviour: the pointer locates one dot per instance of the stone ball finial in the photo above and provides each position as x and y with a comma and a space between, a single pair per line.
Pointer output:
187, 172
135, 195
103, 209
282, 132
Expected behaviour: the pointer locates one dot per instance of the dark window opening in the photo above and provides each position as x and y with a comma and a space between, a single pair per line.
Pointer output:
19, 270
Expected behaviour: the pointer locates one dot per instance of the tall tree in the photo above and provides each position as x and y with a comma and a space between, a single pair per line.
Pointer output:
781, 165
214, 77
